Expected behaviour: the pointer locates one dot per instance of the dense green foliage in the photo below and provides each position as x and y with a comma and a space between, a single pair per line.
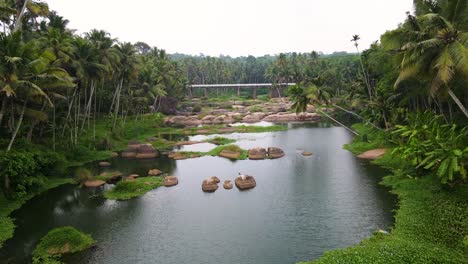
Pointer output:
334, 72
432, 145
27, 171
129, 189
430, 223
60, 241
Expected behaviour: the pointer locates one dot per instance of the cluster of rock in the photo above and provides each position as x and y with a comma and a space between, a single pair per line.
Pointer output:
110, 177
233, 117
261, 153
139, 151
243, 182
210, 184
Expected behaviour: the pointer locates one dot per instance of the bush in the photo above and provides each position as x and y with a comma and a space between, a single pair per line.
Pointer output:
82, 175
432, 145
197, 108
27, 171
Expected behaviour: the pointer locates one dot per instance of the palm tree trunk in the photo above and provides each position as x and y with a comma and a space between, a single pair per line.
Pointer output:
13, 137
2, 110
70, 106
20, 16
87, 110
458, 102
117, 104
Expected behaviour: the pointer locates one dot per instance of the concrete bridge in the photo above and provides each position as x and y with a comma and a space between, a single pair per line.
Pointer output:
275, 88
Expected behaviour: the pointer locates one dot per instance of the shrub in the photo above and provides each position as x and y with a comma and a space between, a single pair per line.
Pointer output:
82, 175
432, 145
27, 170
197, 108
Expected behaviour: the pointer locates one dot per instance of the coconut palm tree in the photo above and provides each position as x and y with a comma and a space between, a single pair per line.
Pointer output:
127, 72
355, 39
433, 45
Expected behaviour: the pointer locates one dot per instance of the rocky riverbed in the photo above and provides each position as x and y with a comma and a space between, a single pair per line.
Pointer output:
275, 111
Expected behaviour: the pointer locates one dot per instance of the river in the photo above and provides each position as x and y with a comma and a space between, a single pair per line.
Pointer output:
301, 207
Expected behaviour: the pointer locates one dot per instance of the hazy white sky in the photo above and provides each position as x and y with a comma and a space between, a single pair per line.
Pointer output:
238, 27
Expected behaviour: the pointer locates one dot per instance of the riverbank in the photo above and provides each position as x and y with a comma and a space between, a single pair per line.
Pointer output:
430, 224
7, 227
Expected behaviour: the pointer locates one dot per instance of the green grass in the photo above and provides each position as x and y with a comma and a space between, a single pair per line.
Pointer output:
106, 175
220, 141
7, 226
163, 144
125, 190
234, 148
61, 241
369, 138
431, 223
216, 151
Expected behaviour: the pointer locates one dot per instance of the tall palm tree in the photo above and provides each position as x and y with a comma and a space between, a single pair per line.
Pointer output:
355, 39
433, 45
127, 72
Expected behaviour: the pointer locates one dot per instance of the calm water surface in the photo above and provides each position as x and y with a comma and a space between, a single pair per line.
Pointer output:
301, 207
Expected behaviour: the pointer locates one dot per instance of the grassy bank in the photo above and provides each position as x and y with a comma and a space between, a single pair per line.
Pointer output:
125, 190
431, 223
7, 226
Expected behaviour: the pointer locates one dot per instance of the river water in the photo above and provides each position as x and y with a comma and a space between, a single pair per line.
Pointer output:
301, 207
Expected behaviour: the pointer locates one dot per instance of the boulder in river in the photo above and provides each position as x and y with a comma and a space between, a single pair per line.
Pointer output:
183, 120
209, 185
208, 119
292, 117
114, 154
95, 183
128, 154
154, 172
257, 153
170, 181
133, 145
228, 185
275, 153
372, 154
146, 151
216, 179
225, 153
104, 164
253, 117
245, 182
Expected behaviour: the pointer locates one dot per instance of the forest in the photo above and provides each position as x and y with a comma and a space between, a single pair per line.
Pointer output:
68, 98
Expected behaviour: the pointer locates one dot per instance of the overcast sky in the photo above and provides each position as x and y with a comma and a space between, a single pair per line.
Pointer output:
238, 27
